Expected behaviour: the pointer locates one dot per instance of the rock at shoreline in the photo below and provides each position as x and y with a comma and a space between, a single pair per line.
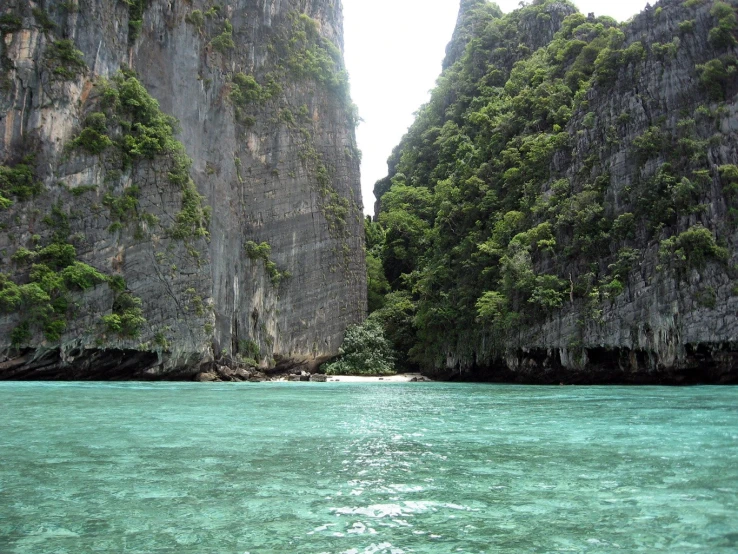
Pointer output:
243, 375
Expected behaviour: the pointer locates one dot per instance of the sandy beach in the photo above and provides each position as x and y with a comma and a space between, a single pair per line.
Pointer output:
403, 378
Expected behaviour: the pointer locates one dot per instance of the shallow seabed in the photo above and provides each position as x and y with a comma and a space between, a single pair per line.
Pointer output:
366, 468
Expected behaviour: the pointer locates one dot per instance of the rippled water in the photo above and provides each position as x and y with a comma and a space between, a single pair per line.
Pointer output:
366, 468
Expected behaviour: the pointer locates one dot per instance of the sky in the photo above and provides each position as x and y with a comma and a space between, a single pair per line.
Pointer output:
393, 52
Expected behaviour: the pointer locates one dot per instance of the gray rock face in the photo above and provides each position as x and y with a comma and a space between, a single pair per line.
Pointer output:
665, 325
277, 165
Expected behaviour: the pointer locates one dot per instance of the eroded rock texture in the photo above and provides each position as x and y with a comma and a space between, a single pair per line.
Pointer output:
596, 235
251, 252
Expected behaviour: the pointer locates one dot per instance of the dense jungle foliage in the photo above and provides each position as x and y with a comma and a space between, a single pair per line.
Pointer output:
500, 209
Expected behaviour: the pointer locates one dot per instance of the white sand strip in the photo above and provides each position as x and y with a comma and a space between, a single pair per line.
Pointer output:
404, 378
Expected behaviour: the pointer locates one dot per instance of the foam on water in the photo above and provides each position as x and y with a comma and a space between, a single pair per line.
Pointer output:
366, 468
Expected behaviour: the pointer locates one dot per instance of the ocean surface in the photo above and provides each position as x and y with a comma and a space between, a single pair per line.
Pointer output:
366, 468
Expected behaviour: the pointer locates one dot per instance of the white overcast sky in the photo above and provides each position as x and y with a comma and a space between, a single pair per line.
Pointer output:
394, 50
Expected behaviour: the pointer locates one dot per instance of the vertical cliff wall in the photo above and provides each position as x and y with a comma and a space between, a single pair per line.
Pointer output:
180, 183
573, 184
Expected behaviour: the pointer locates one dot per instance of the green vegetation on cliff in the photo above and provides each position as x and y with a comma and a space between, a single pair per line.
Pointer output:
50, 280
65, 60
17, 181
263, 252
136, 9
501, 209
125, 127
309, 55
130, 127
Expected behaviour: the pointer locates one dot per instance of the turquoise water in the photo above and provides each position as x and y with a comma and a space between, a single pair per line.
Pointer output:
366, 468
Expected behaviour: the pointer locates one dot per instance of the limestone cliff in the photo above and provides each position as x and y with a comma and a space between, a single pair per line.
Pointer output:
575, 198
179, 184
